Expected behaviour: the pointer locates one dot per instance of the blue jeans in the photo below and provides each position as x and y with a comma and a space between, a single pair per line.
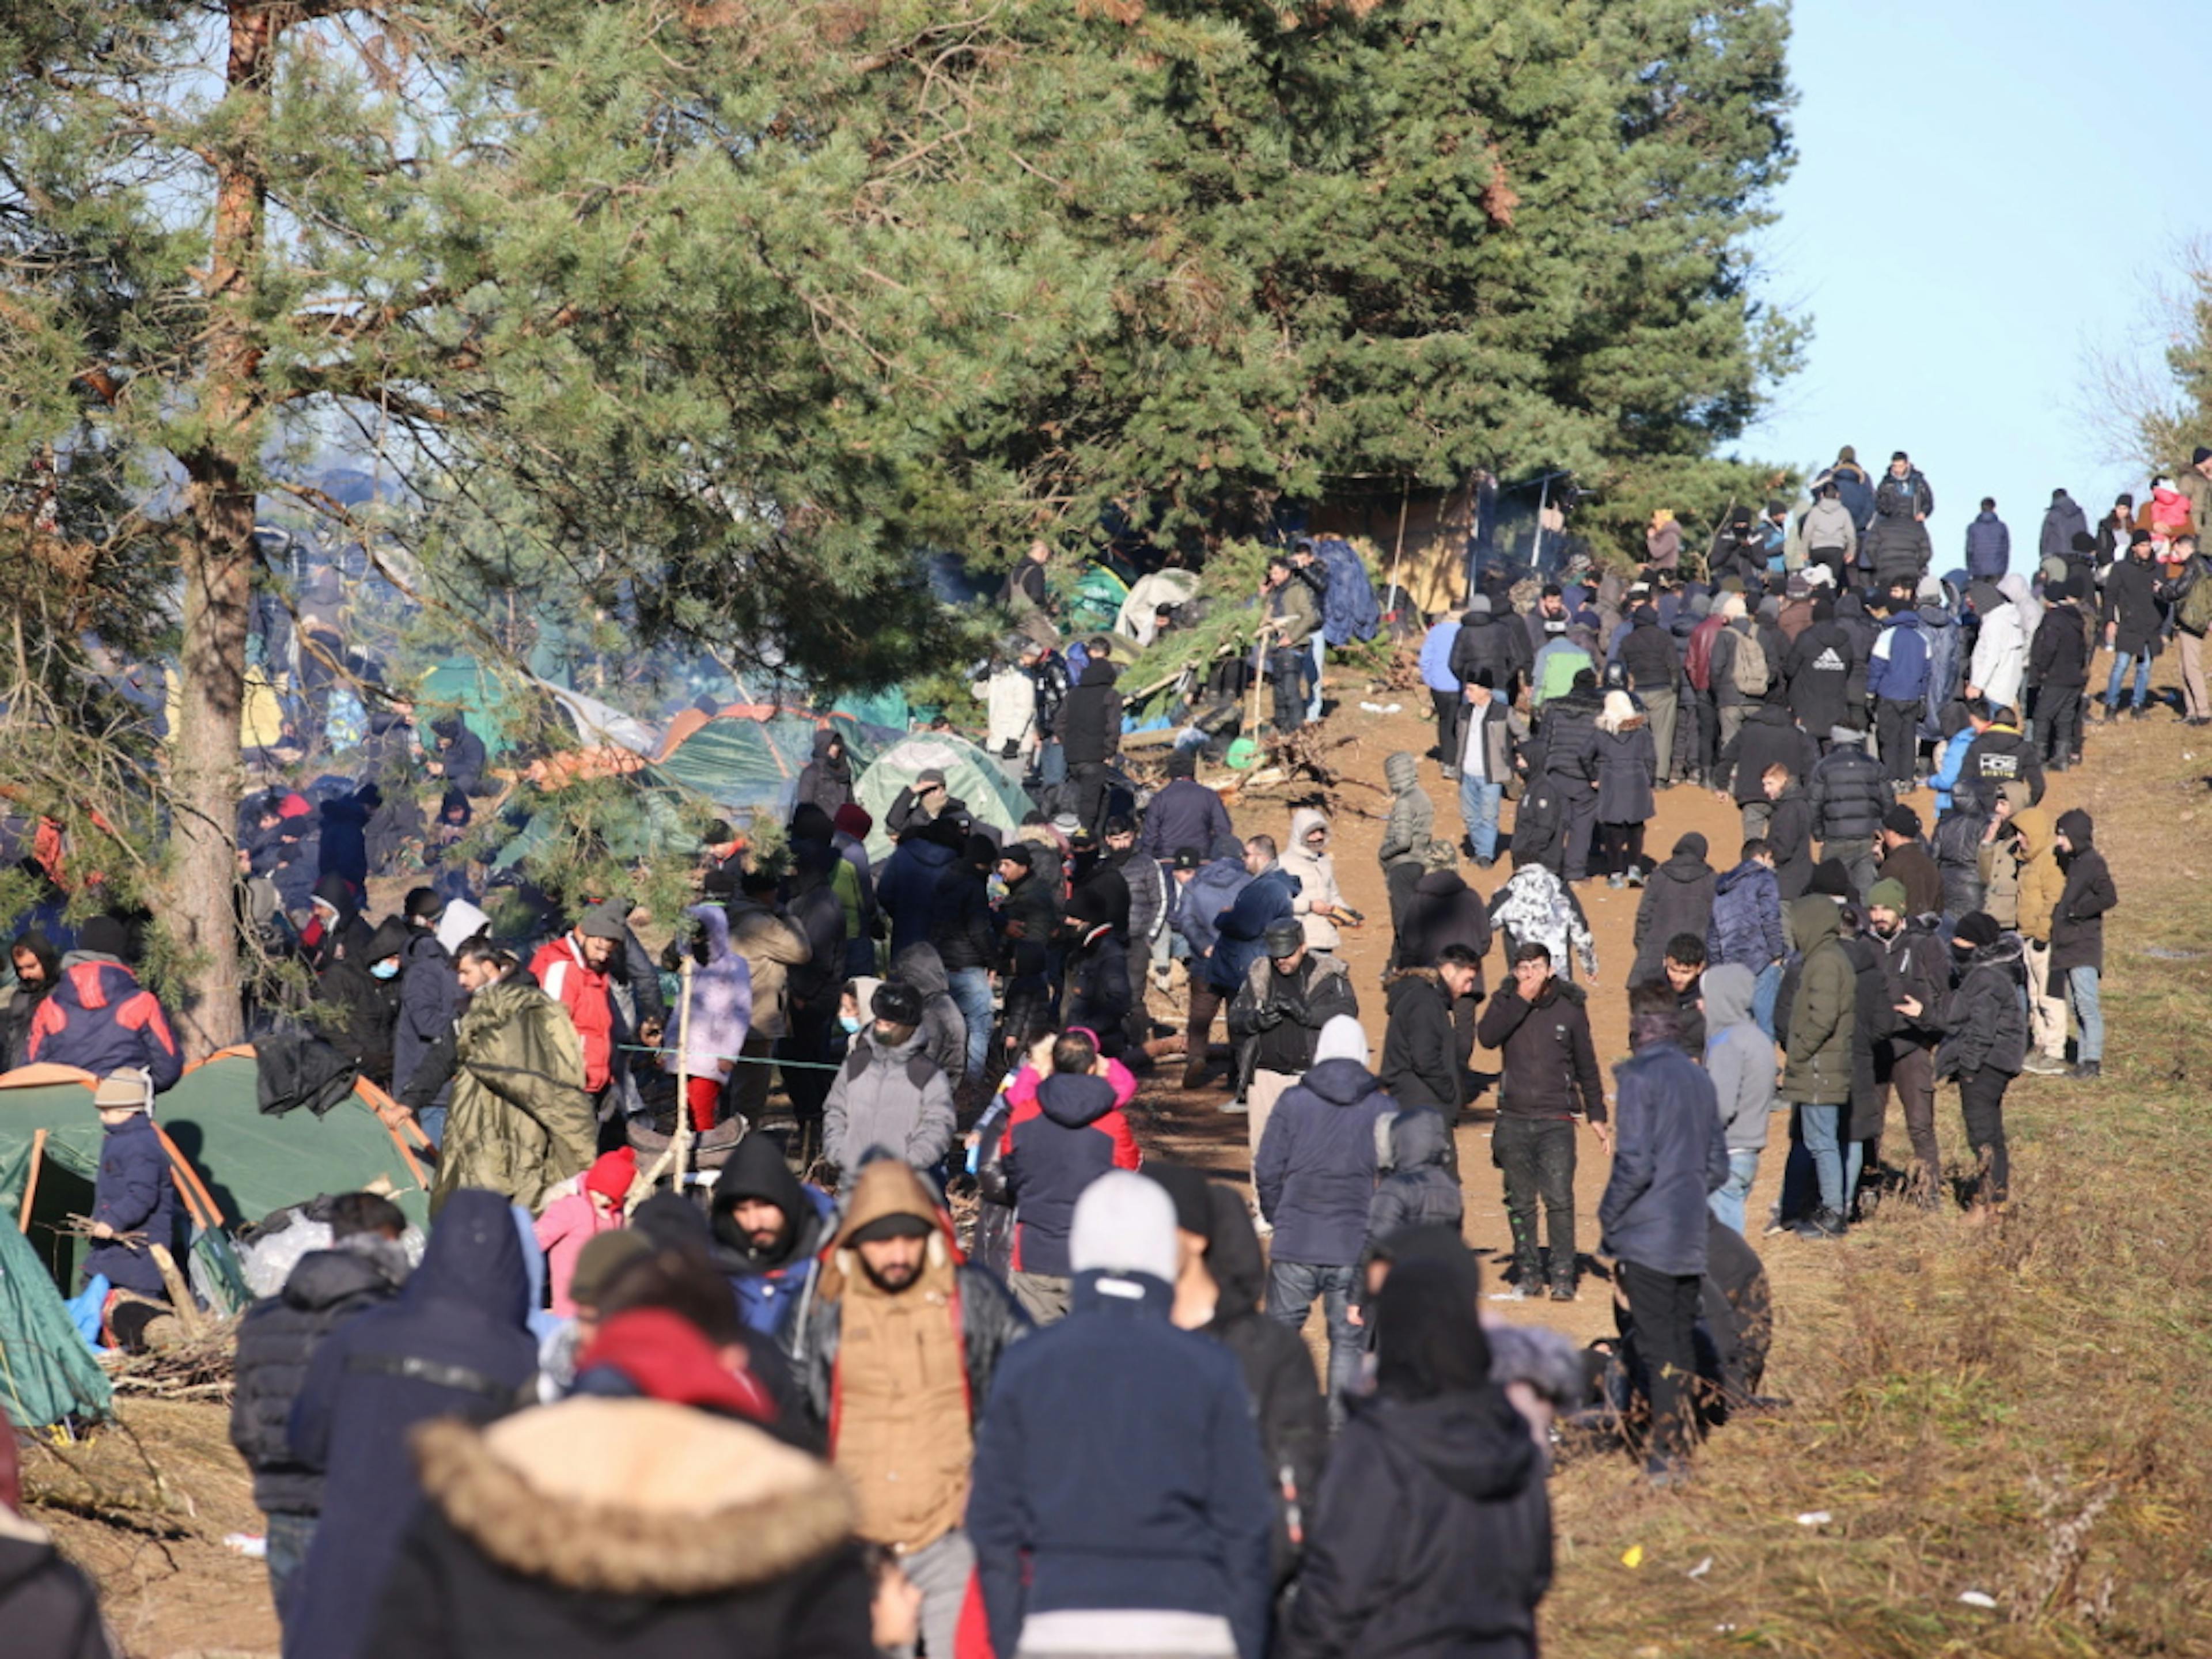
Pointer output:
1727, 1204
1764, 988
971, 989
1052, 763
1477, 808
1823, 1128
289, 1537
2120, 662
1291, 1288
2083, 991
432, 1120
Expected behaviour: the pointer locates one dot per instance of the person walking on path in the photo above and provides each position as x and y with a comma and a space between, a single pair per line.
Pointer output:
1313, 1177
1817, 1073
1655, 675
1428, 1042
1487, 762
2077, 934
1678, 898
1148, 1530
1671, 1155
1550, 1083
1535, 907
1626, 765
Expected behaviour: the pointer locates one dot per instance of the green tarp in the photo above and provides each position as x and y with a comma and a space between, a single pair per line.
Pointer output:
46, 1372
971, 775
251, 1163
463, 684
744, 762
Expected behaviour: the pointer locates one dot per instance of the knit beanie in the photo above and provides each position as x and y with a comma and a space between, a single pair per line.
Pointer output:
1977, 928
1830, 879
612, 1174
1341, 1039
1901, 820
103, 936
603, 1256
128, 1091
1124, 1224
1188, 1189
1887, 894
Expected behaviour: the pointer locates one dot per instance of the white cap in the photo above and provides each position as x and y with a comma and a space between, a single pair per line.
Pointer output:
1125, 1223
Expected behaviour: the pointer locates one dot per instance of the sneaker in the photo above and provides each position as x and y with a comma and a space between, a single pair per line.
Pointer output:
1634, 878
2046, 1066
1563, 1292
2089, 1069
1616, 882
1450, 773
2141, 711
1820, 1226
1776, 1226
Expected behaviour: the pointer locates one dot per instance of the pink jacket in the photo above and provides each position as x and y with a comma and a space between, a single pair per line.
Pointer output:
566, 1226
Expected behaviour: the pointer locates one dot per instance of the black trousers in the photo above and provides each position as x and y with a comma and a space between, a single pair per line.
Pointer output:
1537, 1155
1664, 1307
1619, 848
1981, 1103
2059, 712
1581, 802
1088, 778
1909, 1069
1287, 667
1451, 725
1897, 729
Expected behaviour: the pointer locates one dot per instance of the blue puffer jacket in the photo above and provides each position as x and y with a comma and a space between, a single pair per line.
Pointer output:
1240, 935
1747, 925
1348, 608
1899, 669
1315, 1174
133, 1193
100, 1019
1671, 1152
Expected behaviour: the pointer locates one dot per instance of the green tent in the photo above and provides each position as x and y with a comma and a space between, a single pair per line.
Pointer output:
463, 683
249, 1163
47, 1371
747, 758
971, 775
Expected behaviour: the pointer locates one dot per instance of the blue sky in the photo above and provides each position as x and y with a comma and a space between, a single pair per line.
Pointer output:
1985, 196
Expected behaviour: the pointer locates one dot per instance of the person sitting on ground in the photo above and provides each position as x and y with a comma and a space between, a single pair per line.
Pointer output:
363, 1268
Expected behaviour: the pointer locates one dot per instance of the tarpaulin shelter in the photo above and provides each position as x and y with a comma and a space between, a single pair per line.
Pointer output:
747, 757
483, 700
969, 774
46, 1372
238, 1162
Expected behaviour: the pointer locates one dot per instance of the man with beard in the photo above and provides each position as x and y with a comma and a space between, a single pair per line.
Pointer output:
769, 1230
898, 1350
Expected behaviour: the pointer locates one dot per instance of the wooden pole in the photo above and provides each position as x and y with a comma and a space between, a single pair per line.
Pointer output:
31, 1179
1398, 558
682, 1146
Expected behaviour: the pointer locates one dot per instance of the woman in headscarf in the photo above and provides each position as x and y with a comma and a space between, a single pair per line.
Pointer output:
1627, 765
1433, 1532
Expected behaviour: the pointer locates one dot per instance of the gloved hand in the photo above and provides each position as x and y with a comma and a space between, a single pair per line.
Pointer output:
1269, 1015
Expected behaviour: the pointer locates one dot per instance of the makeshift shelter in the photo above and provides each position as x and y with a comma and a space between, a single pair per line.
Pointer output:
46, 1372
969, 773
233, 1163
746, 758
483, 699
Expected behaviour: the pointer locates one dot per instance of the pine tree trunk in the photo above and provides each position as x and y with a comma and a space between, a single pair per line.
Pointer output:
218, 556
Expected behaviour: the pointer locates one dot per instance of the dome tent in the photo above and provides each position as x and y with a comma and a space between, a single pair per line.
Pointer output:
747, 757
969, 774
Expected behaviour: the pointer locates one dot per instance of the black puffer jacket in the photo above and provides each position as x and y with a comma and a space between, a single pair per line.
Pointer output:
1569, 735
1678, 898
1090, 729
1443, 910
1497, 643
1419, 1190
2132, 607
1849, 792
275, 1340
1984, 1024
2058, 657
1819, 673
1279, 1372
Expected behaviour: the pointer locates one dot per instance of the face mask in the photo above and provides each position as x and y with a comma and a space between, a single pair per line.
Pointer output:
384, 970
850, 1022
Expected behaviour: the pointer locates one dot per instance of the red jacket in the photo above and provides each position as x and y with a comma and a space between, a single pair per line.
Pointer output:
560, 967
100, 1019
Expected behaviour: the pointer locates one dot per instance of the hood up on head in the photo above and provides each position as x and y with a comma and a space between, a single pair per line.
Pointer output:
1401, 773
921, 967
1232, 1256
1418, 1138
889, 1188
475, 1259
1727, 988
1814, 920
1073, 1099
757, 1169
1303, 821
2080, 832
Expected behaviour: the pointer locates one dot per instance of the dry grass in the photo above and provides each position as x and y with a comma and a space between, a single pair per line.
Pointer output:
2018, 1410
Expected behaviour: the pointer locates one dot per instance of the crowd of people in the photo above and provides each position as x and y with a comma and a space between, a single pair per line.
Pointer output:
797, 1407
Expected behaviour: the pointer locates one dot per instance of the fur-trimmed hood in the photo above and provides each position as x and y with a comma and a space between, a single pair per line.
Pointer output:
632, 1498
